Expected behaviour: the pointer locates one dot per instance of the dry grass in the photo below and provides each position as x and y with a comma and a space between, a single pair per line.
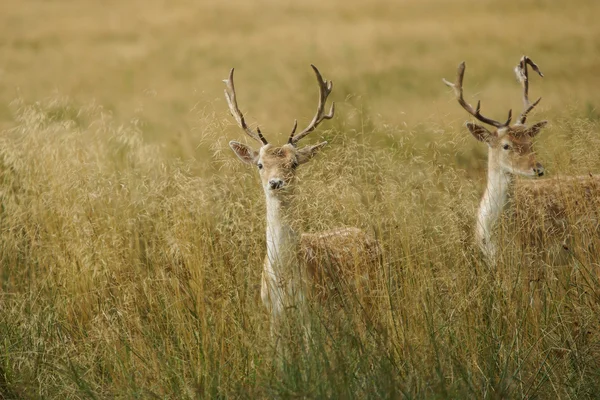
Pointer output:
131, 238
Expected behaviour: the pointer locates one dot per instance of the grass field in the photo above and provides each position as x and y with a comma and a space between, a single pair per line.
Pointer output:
132, 239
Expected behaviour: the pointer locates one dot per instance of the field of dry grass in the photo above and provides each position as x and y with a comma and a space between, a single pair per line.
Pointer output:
132, 239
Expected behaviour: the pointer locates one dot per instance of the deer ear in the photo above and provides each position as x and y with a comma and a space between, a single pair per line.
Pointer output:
535, 129
244, 152
480, 132
307, 152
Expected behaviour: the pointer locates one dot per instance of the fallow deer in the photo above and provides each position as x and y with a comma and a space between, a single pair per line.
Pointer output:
545, 211
298, 265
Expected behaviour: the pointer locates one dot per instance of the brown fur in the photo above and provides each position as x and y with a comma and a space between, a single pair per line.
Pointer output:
345, 257
558, 215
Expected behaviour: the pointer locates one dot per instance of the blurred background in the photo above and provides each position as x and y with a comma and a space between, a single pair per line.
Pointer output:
162, 62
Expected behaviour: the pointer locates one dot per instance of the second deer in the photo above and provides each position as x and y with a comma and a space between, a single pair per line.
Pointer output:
548, 212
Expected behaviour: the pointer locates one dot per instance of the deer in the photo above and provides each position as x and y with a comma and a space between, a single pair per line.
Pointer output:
299, 265
547, 211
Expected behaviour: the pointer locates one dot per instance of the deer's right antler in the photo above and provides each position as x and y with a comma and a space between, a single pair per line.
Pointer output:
237, 114
458, 91
523, 77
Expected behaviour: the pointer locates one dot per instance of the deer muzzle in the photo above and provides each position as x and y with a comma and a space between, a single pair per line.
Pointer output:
275, 184
538, 170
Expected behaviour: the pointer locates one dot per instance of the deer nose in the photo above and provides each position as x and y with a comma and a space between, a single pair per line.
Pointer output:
538, 169
275, 183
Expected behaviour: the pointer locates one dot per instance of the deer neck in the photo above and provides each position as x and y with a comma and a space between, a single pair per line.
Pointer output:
282, 240
493, 202
281, 283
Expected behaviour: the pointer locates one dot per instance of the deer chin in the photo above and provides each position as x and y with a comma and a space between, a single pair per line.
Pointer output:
281, 192
530, 173
510, 169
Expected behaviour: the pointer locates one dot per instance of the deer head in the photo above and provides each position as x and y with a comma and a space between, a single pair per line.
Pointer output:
277, 165
511, 146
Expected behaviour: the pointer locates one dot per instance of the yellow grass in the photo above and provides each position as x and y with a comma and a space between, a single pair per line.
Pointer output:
132, 238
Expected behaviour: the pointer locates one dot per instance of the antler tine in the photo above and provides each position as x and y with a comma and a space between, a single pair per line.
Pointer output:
458, 91
324, 91
237, 114
293, 131
523, 77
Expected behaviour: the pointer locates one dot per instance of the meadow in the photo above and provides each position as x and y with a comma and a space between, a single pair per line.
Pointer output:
132, 239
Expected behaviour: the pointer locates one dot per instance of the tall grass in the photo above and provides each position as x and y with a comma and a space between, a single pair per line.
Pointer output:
132, 239
129, 273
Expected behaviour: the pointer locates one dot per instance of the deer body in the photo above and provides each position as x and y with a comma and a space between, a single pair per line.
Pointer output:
297, 265
558, 215
549, 214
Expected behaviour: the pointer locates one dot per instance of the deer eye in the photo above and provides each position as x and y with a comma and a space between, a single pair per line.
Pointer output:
294, 164
506, 147
260, 166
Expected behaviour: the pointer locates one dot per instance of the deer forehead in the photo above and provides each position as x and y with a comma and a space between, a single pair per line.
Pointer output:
515, 136
277, 156
518, 131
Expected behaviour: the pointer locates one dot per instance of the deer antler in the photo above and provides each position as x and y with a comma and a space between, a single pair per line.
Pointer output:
237, 114
324, 90
523, 77
458, 91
